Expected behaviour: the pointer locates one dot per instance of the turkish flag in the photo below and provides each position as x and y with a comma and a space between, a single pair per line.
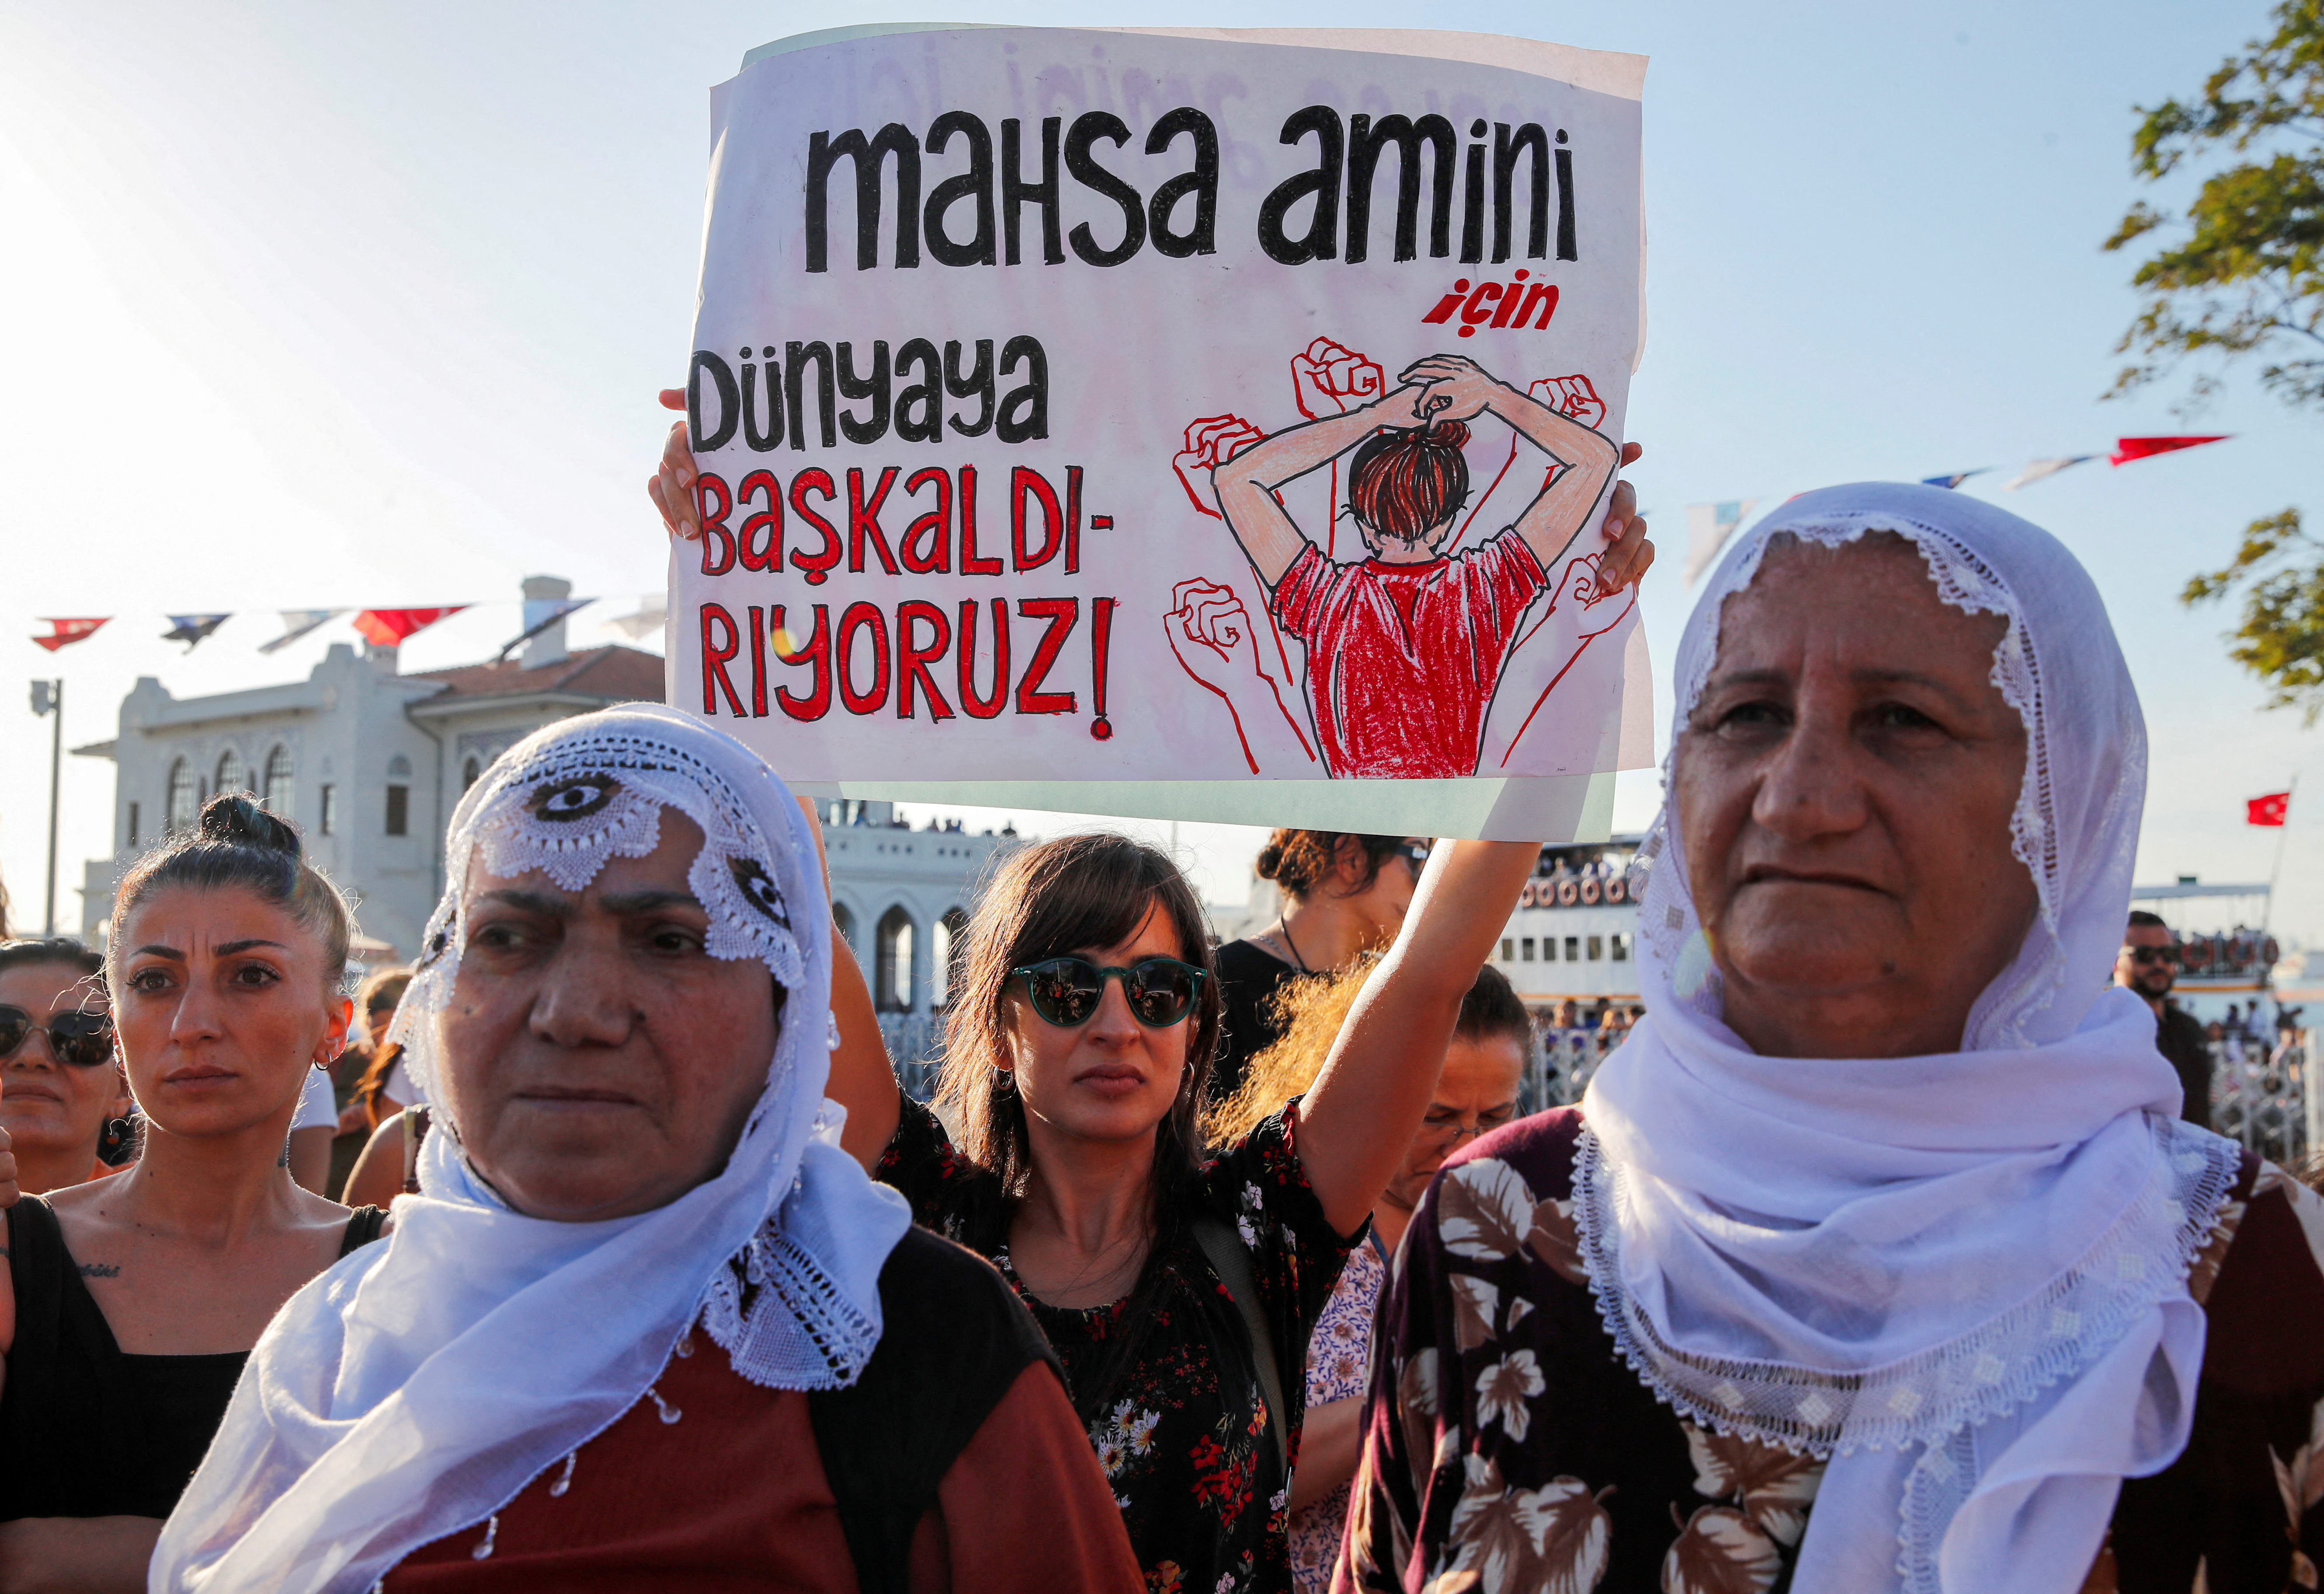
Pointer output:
2126, 449
2270, 809
384, 628
66, 632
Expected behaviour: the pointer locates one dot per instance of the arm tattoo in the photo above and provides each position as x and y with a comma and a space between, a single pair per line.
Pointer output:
99, 1270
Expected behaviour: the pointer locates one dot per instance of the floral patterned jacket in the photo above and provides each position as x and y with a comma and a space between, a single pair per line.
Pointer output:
1507, 1447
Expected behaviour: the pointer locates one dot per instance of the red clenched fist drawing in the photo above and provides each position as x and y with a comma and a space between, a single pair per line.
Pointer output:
1211, 442
1573, 397
1205, 614
1581, 585
1330, 379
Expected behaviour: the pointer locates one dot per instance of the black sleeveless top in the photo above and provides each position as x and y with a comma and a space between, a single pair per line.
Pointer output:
86, 1431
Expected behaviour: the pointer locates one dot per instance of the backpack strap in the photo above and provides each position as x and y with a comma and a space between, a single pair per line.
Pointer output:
954, 1339
1228, 1258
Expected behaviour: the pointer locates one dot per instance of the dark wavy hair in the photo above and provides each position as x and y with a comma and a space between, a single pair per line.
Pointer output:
1404, 484
237, 845
1299, 861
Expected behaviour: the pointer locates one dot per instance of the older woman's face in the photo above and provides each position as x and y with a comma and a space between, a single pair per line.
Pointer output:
598, 1061
1844, 789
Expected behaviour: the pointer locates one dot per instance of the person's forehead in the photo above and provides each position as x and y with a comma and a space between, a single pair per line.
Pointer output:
1489, 1066
41, 987
2147, 935
1870, 602
678, 844
1155, 934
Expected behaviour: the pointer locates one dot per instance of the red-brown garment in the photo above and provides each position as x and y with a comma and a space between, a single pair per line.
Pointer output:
1403, 659
730, 1496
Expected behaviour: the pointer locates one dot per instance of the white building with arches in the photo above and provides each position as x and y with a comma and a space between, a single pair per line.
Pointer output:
903, 899
369, 764
366, 761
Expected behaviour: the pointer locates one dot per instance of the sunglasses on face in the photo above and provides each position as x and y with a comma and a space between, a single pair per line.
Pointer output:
1414, 853
2148, 955
85, 1040
1065, 991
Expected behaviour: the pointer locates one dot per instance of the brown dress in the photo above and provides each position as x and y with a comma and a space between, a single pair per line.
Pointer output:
730, 1496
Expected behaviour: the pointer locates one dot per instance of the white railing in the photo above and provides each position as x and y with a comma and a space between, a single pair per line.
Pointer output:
1563, 1060
2264, 1098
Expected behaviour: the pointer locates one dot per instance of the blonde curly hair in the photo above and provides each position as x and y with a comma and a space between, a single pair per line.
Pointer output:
1311, 1013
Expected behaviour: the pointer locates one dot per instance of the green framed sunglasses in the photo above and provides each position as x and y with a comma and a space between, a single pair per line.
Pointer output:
1065, 991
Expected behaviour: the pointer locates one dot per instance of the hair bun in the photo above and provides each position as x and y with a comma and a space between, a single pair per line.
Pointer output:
1444, 434
1271, 856
234, 818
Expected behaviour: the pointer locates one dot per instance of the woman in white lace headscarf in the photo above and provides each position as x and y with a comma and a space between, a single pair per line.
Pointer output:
1877, 1259
631, 1142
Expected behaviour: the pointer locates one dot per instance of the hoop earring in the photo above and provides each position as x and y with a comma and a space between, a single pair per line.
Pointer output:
1004, 1080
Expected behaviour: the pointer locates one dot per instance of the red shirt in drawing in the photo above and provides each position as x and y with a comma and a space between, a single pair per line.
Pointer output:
1402, 660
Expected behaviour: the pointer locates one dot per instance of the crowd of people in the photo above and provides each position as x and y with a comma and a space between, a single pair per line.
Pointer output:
1885, 1250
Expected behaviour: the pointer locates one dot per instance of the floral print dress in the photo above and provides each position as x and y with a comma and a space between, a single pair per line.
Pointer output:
1183, 1437
1508, 1446
1339, 1367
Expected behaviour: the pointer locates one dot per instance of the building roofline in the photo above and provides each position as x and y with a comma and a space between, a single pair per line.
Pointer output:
449, 705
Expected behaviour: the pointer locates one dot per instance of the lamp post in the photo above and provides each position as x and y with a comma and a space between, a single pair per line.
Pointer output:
49, 698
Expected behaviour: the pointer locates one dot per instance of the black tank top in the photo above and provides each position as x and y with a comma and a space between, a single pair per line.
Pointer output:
86, 1431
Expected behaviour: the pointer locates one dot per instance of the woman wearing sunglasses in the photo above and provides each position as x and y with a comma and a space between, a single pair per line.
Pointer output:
1178, 1292
130, 1303
61, 1091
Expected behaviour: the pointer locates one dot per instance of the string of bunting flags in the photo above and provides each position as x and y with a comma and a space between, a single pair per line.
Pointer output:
1710, 525
382, 628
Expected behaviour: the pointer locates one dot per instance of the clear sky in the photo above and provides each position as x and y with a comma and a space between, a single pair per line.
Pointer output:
360, 306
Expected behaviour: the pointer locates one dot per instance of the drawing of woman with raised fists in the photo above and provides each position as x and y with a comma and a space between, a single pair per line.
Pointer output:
1406, 648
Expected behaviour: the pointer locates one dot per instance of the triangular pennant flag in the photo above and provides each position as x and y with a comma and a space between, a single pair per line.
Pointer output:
190, 629
539, 614
384, 628
2126, 449
1707, 528
652, 616
2041, 468
1956, 479
2272, 809
64, 633
297, 623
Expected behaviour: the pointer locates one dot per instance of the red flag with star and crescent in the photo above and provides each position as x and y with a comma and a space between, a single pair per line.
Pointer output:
2270, 809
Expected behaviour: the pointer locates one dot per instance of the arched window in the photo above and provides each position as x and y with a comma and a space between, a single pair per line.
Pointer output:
844, 920
183, 805
950, 965
468, 773
276, 793
398, 768
891, 961
231, 775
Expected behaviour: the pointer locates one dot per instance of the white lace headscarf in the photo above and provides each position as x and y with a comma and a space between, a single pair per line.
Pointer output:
1960, 1277
419, 1385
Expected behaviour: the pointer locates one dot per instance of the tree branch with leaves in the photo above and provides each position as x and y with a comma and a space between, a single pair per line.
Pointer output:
2243, 275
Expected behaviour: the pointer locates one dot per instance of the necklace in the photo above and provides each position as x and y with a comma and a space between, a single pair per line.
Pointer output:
1282, 932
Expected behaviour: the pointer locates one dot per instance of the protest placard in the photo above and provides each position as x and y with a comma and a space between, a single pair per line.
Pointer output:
1183, 423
